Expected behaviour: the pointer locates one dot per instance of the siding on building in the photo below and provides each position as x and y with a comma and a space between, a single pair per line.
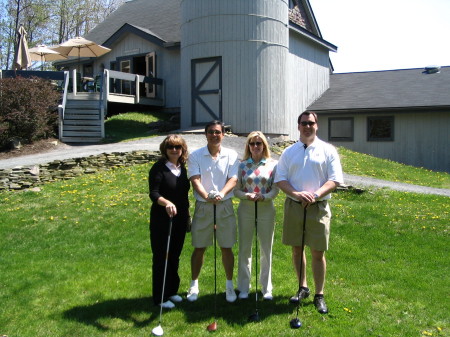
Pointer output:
420, 138
308, 76
167, 62
251, 37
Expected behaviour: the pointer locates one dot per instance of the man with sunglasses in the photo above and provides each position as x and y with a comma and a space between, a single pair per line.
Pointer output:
308, 171
213, 173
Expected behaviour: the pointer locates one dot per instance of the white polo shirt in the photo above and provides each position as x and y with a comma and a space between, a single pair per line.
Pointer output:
214, 173
308, 169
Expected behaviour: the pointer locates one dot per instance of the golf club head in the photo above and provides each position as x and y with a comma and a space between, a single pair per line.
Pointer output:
254, 317
158, 331
212, 326
295, 323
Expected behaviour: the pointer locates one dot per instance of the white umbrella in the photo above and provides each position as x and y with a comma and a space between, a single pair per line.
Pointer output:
81, 47
43, 53
22, 59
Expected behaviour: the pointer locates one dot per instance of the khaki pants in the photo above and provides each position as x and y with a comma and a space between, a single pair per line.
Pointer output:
246, 225
317, 229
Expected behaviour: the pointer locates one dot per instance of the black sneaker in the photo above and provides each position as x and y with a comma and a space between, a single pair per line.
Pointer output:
320, 304
303, 293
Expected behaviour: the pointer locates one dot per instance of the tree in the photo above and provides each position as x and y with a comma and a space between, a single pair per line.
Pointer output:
48, 22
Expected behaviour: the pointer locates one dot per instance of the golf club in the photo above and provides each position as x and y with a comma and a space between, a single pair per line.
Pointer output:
295, 322
158, 331
213, 325
255, 317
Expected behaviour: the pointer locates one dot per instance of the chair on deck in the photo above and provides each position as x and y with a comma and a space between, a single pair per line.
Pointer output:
95, 85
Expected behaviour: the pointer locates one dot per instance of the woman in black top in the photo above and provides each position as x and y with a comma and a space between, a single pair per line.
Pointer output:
169, 188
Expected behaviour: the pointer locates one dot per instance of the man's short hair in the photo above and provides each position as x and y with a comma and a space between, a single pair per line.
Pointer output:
307, 113
215, 122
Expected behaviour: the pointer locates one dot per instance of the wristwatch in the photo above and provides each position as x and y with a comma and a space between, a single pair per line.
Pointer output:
316, 196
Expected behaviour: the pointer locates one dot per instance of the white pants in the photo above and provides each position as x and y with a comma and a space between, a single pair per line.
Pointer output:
246, 225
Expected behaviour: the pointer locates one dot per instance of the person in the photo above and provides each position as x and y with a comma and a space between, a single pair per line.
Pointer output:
213, 173
256, 184
169, 192
308, 171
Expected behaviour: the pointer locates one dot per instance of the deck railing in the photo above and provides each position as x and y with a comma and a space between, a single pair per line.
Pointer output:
119, 83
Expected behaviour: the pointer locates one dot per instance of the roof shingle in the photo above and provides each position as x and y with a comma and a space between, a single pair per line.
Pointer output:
406, 88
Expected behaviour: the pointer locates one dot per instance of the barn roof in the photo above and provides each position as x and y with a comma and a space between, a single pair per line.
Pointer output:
391, 89
159, 18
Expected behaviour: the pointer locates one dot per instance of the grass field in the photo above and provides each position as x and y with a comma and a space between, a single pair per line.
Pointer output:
75, 261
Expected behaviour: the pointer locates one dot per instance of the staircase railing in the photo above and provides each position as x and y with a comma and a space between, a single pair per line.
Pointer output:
62, 106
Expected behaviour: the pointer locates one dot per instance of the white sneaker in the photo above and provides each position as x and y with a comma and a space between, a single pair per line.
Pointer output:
230, 295
243, 295
176, 298
192, 294
168, 305
268, 296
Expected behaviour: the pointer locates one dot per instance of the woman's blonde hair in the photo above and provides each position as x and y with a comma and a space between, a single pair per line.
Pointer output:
251, 135
171, 140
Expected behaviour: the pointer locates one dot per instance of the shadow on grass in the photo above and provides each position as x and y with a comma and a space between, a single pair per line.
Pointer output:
127, 309
237, 313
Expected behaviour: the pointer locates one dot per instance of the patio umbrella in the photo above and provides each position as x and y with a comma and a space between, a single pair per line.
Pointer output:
22, 59
81, 47
44, 54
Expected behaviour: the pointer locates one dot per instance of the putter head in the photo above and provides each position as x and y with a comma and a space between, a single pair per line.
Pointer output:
295, 323
212, 326
254, 317
158, 331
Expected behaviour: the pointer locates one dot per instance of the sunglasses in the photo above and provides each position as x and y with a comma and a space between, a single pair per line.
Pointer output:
255, 143
307, 123
176, 147
214, 132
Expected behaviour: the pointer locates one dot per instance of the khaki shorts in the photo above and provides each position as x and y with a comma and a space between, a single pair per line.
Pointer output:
317, 229
203, 224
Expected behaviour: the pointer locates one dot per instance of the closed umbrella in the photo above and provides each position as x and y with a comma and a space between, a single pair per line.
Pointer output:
80, 47
44, 54
22, 59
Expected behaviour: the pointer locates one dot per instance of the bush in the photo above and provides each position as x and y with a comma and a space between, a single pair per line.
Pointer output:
28, 109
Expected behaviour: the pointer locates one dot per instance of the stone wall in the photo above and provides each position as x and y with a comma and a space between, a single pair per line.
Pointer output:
20, 177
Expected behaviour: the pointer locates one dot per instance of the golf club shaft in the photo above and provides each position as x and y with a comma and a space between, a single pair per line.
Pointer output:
165, 269
215, 264
256, 254
301, 260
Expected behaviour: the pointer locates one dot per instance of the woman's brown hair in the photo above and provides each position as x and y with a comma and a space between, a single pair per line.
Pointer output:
172, 140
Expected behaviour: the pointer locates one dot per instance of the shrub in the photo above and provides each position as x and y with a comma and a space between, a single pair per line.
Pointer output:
28, 109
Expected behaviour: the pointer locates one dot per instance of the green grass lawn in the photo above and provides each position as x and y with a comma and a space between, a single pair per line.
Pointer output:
365, 165
132, 125
75, 261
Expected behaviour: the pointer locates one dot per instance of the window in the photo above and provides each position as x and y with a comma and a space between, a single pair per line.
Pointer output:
88, 70
150, 63
340, 129
380, 128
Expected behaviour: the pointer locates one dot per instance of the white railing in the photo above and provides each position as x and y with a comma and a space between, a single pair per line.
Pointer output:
62, 106
134, 80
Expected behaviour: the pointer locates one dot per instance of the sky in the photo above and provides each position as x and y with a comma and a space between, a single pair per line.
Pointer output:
385, 34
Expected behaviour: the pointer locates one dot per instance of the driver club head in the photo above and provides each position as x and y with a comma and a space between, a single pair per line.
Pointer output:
295, 323
158, 331
212, 326
254, 317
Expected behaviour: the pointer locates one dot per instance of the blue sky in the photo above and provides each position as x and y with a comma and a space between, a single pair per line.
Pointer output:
385, 34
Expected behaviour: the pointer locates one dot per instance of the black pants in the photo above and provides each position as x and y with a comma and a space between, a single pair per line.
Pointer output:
159, 231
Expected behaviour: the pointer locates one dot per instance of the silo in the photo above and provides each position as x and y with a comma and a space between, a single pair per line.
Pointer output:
233, 63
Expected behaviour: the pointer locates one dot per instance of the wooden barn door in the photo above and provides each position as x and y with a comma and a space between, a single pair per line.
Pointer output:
206, 84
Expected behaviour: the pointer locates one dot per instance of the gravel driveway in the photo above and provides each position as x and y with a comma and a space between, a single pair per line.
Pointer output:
194, 142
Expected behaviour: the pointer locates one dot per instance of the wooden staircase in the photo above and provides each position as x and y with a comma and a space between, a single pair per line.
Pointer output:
82, 120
